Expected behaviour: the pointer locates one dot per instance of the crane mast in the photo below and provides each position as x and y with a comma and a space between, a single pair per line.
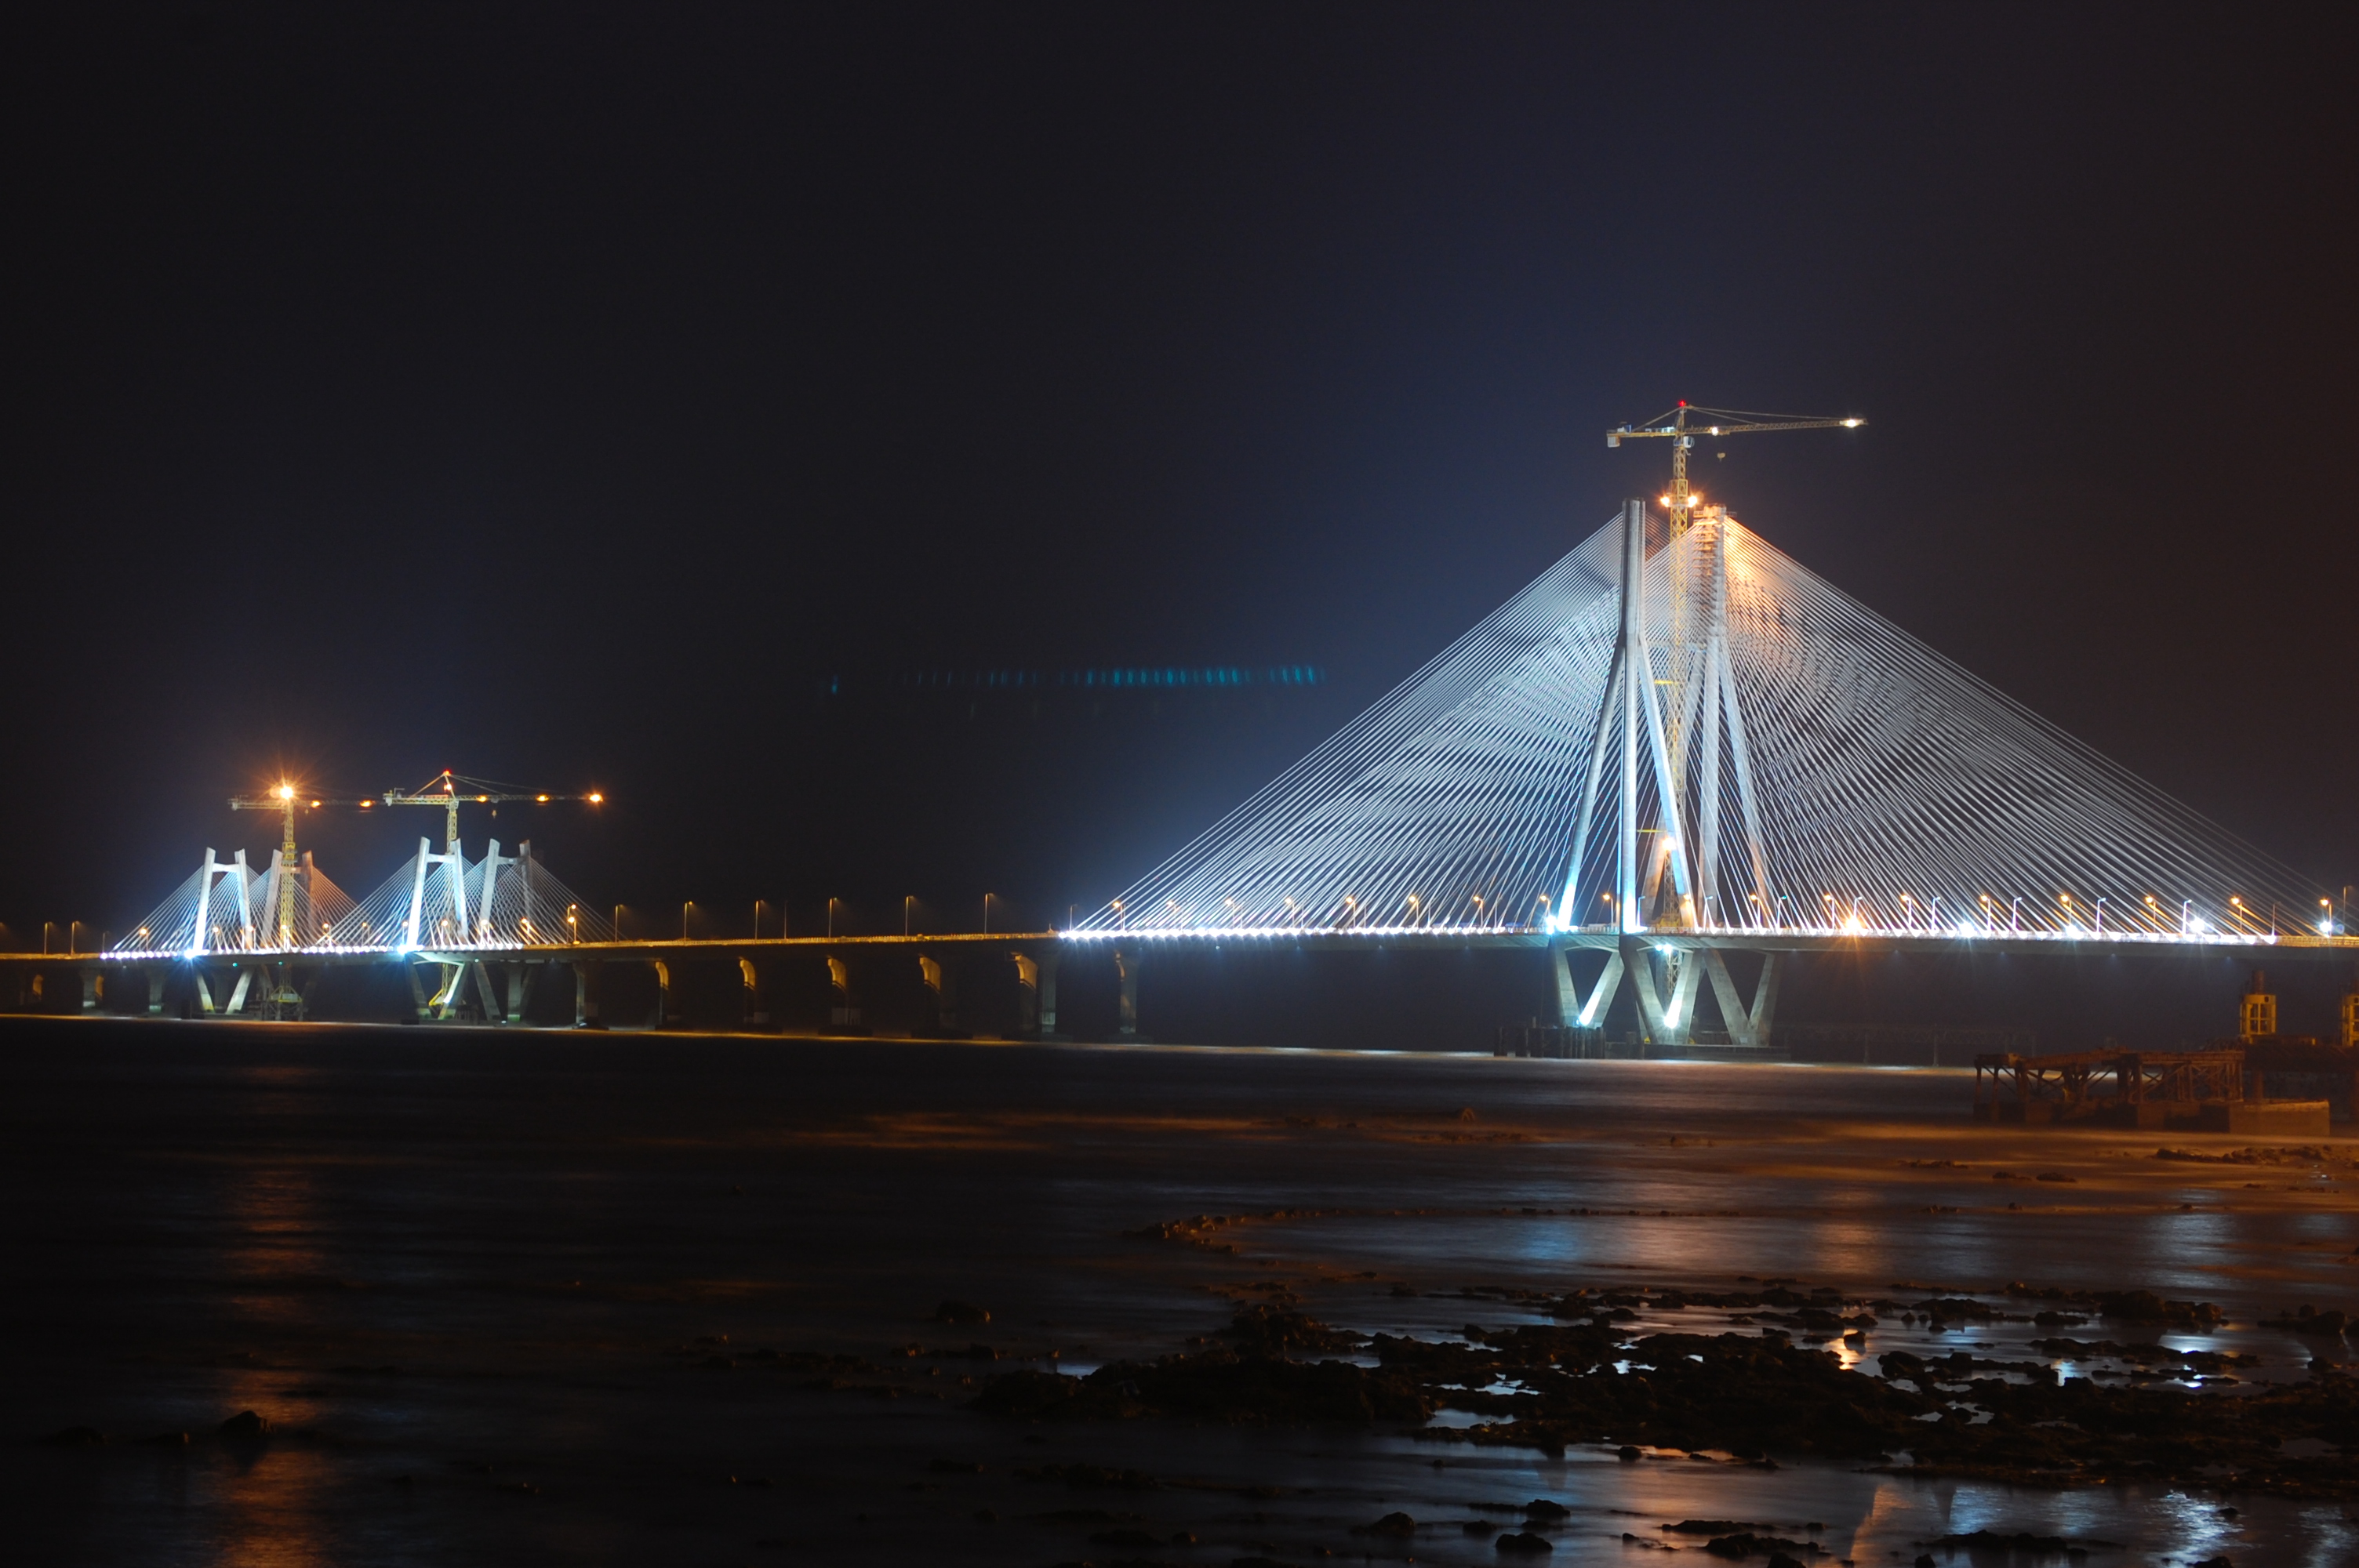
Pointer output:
281, 799
1691, 704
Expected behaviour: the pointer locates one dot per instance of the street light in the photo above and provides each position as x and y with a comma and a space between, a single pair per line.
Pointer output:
684, 908
830, 914
987, 914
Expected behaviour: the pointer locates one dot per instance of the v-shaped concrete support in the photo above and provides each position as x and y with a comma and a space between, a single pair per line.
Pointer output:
1746, 1026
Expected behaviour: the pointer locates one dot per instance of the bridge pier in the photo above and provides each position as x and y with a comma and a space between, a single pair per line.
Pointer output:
487, 993
1662, 1021
757, 1006
588, 981
1669, 1020
1027, 993
845, 1011
1125, 968
666, 1012
1045, 996
446, 995
939, 985
93, 989
156, 978
236, 1001
1746, 1026
1568, 990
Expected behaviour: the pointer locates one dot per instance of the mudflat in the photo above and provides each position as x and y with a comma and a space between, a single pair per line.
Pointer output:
294, 1294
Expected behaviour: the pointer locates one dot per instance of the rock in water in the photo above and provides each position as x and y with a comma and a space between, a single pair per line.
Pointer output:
246, 1424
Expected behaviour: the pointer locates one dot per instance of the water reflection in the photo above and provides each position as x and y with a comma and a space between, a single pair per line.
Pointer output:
431, 1202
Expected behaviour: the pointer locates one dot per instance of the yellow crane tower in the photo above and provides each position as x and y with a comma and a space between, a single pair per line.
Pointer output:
284, 799
1683, 424
451, 791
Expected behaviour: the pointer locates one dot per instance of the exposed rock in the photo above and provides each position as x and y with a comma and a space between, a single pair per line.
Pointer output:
245, 1425
2021, 1541
1747, 1544
1124, 1537
1091, 1477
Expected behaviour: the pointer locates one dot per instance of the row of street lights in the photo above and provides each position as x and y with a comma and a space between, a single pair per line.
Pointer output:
49, 928
688, 908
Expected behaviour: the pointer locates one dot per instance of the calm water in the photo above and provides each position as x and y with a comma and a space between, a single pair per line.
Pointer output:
466, 1274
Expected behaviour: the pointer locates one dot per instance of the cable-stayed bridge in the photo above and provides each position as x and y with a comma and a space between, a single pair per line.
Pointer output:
1679, 741
1676, 742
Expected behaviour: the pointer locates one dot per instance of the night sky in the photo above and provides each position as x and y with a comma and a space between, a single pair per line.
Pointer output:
645, 399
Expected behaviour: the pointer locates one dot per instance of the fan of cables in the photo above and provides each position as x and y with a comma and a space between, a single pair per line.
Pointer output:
1782, 759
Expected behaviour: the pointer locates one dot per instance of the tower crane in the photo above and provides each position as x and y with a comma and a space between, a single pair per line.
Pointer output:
283, 799
450, 791
1683, 424
1687, 721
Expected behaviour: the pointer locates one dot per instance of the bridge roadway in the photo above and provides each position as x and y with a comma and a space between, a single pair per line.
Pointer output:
1665, 968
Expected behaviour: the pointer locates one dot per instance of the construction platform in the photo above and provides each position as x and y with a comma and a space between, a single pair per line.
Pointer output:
2195, 1091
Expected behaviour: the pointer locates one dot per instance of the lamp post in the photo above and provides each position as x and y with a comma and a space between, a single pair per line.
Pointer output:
830, 914
908, 898
987, 914
618, 922
684, 908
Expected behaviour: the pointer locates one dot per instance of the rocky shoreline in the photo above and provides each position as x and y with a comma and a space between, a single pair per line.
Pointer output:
1753, 1396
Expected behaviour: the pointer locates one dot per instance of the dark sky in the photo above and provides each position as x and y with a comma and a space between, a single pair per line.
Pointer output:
632, 397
